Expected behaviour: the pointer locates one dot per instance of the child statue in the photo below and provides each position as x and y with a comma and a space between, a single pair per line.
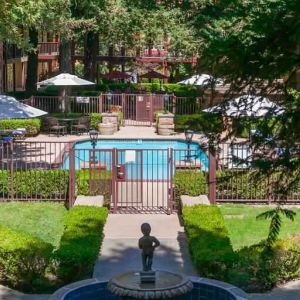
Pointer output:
147, 243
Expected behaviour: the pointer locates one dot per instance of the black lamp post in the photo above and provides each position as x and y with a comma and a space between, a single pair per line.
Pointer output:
189, 138
166, 102
109, 100
94, 137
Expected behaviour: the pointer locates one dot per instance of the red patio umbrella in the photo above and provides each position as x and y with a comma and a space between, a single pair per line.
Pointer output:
153, 74
117, 75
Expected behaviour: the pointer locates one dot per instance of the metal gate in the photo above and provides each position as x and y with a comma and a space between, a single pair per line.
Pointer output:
131, 180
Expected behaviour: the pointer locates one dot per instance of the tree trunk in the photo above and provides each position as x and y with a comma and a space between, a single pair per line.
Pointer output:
123, 53
91, 50
1, 68
110, 54
65, 56
32, 63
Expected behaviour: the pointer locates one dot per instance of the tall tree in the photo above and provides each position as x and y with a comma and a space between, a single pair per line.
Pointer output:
254, 46
32, 62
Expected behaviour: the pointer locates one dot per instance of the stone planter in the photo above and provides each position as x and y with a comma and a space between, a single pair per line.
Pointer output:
165, 119
106, 128
165, 129
111, 118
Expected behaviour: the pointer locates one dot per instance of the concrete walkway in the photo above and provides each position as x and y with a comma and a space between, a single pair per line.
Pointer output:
289, 291
120, 251
9, 294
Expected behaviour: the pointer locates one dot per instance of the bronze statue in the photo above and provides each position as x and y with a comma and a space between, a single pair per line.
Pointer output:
148, 244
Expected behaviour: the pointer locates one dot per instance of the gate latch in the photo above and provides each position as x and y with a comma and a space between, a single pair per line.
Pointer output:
120, 172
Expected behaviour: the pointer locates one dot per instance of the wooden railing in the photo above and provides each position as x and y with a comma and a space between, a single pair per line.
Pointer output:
50, 48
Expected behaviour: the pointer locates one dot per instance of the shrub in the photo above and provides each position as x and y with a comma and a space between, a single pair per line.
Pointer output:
33, 126
190, 183
23, 259
80, 243
207, 123
171, 88
208, 240
46, 184
66, 115
241, 184
95, 120
258, 268
97, 182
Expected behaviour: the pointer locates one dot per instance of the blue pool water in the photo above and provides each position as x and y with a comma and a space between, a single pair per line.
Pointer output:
141, 159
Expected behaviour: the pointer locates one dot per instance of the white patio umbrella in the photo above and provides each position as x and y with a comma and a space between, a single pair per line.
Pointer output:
65, 80
247, 106
201, 80
10, 108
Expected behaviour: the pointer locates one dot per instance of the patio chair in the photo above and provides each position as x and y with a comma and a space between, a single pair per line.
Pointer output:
82, 126
55, 127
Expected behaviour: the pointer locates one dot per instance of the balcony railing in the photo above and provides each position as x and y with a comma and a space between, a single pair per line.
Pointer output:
11, 51
51, 48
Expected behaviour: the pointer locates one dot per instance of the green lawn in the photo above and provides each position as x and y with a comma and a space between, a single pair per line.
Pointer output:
42, 220
245, 230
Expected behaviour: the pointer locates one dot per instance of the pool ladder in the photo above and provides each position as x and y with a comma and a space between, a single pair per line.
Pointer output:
140, 141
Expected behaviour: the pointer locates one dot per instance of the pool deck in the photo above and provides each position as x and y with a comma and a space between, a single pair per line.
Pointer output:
134, 132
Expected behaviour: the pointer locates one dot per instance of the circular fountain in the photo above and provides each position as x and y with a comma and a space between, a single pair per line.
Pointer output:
166, 285
148, 284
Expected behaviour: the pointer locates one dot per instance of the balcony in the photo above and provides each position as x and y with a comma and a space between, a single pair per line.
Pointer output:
48, 49
11, 51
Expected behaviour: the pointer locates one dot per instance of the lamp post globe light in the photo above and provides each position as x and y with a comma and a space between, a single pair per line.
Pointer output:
189, 134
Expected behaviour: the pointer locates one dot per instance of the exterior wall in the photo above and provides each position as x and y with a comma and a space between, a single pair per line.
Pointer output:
15, 64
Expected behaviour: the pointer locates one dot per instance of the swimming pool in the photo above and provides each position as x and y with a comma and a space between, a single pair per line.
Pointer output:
142, 159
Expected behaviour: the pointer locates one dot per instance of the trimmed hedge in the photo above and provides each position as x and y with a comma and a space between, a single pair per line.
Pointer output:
23, 259
255, 268
53, 184
241, 184
208, 240
190, 183
231, 184
33, 126
80, 243
39, 184
97, 182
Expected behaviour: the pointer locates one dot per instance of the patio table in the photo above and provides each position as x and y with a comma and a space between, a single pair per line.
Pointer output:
68, 122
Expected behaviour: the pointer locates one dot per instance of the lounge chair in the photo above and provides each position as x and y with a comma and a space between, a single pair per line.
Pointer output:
55, 127
82, 126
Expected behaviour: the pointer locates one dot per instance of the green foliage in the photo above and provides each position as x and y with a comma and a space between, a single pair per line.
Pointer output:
208, 240
96, 182
95, 120
45, 184
32, 126
257, 269
80, 243
23, 259
190, 183
241, 184
179, 90
253, 268
207, 123
66, 115
276, 222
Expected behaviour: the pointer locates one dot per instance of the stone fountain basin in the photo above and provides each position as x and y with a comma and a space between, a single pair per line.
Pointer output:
167, 285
